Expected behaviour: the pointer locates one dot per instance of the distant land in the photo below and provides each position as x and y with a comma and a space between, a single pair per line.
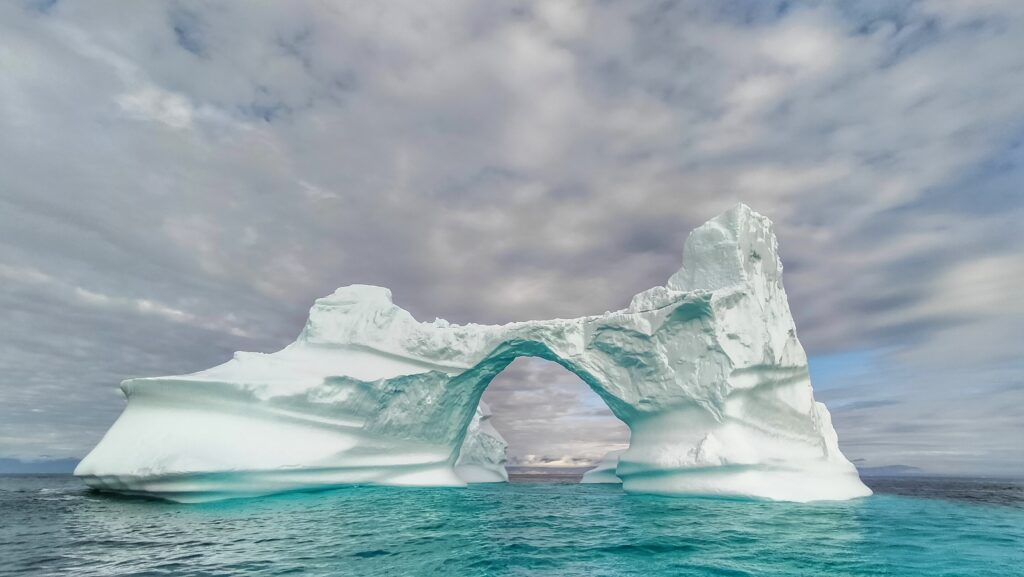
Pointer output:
11, 466
890, 471
527, 470
881, 471
42, 466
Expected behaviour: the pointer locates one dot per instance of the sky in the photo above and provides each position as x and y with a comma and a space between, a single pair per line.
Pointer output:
179, 180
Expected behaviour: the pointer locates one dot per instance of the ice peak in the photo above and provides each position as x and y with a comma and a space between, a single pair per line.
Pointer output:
349, 312
736, 247
356, 294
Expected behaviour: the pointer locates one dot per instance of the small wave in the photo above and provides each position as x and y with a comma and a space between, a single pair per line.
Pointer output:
373, 553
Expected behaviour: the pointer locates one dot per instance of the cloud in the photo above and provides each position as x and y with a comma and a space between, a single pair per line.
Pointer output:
503, 161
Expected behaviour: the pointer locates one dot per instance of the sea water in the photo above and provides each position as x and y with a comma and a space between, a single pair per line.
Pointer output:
913, 527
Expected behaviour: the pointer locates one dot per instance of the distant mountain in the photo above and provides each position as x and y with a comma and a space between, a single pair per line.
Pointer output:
890, 471
532, 470
49, 466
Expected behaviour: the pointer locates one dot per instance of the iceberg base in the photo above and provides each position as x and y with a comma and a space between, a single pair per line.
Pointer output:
750, 483
205, 487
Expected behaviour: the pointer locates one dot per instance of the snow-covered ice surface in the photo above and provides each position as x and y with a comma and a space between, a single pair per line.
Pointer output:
706, 371
483, 455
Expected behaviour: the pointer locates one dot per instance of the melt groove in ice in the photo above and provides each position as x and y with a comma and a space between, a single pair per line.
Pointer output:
706, 371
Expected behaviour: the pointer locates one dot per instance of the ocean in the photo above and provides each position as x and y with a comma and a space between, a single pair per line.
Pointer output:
536, 525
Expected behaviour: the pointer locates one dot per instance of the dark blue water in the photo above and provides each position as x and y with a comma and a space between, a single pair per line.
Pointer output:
913, 527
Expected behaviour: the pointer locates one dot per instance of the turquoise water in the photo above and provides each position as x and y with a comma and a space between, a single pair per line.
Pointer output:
53, 526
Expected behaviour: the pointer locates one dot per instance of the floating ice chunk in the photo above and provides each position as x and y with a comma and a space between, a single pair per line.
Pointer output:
483, 455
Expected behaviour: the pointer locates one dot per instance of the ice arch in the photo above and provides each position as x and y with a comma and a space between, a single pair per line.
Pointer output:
706, 371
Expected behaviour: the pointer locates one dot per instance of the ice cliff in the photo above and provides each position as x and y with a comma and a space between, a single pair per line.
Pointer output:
706, 371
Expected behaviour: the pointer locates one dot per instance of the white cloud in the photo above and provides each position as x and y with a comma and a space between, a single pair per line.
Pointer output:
151, 103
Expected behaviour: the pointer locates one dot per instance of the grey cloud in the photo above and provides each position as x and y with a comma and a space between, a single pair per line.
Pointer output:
495, 162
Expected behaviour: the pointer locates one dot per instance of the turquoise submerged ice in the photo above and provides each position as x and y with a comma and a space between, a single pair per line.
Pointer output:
57, 527
706, 371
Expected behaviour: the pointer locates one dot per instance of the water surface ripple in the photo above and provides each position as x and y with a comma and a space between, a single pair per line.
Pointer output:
51, 525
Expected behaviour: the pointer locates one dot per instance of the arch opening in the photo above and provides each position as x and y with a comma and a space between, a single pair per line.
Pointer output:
552, 422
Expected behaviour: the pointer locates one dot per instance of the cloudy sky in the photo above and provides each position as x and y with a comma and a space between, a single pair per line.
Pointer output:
179, 180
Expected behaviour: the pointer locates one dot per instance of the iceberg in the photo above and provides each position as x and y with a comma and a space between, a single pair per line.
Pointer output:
706, 371
484, 453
